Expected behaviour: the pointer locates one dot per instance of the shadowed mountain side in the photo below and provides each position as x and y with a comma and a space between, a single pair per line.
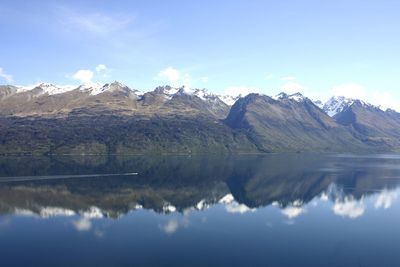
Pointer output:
119, 135
375, 127
290, 125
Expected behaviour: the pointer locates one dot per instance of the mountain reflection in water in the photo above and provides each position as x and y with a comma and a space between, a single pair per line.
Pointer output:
179, 183
243, 210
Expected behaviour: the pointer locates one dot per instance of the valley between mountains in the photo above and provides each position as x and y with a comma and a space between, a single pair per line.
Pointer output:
115, 119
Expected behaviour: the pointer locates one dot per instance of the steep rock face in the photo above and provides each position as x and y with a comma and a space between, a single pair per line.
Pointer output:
290, 123
377, 128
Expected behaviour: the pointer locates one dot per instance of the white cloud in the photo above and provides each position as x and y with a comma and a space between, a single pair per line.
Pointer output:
292, 88
385, 199
170, 227
288, 78
235, 207
84, 76
83, 224
232, 206
324, 197
101, 68
173, 225
349, 208
385, 100
7, 77
174, 77
292, 211
102, 71
351, 90
239, 90
169, 74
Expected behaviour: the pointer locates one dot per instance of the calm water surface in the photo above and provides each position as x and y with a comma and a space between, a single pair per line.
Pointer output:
252, 210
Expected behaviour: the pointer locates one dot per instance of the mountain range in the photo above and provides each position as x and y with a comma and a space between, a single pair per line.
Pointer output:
115, 119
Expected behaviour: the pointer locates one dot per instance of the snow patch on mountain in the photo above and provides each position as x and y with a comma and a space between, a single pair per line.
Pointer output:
298, 97
92, 88
228, 99
233, 206
98, 88
203, 94
109, 87
168, 91
319, 104
337, 104
48, 88
207, 96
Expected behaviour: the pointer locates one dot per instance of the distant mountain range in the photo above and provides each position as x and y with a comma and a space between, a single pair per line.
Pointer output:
115, 119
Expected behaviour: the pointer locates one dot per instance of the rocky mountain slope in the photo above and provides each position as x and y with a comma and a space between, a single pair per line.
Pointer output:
289, 122
113, 118
377, 128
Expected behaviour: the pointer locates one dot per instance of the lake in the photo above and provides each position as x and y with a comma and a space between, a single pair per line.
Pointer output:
204, 210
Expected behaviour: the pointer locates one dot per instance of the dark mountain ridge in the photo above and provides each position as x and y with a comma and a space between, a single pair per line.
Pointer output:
289, 125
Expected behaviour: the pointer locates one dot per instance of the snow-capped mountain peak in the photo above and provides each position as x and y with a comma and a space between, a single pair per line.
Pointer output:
203, 94
337, 104
92, 88
114, 86
279, 96
168, 91
298, 97
228, 99
98, 88
48, 88
207, 96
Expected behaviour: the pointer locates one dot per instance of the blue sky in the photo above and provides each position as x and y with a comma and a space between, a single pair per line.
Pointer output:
317, 47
